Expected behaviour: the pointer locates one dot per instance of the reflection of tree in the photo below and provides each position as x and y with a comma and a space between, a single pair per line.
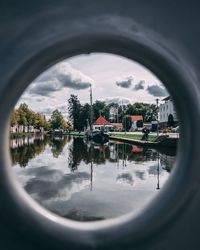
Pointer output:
99, 154
80, 151
23, 154
28, 151
125, 152
77, 153
58, 144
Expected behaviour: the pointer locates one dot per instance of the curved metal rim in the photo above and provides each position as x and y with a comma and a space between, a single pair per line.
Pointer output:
123, 229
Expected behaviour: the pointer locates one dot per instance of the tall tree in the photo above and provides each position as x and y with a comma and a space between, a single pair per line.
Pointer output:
127, 122
22, 119
85, 115
14, 118
57, 120
74, 109
170, 120
98, 109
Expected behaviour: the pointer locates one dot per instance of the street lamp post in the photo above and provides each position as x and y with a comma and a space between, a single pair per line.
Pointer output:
158, 173
157, 114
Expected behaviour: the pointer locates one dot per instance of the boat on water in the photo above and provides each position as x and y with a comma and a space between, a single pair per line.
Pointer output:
97, 136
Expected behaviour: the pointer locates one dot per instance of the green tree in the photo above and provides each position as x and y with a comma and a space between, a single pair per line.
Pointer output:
170, 120
85, 115
22, 119
98, 109
74, 109
26, 115
14, 118
139, 124
67, 125
127, 122
57, 120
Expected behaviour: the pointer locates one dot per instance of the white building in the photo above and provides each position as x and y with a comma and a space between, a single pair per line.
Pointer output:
165, 109
102, 124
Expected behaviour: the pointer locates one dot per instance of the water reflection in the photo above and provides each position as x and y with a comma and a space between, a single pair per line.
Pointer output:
88, 182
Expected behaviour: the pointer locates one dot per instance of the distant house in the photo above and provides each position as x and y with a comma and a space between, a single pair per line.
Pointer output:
20, 129
102, 124
25, 129
165, 110
31, 129
135, 119
117, 126
14, 129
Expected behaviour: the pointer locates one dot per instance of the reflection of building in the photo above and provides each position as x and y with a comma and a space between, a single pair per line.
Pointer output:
135, 119
165, 110
137, 149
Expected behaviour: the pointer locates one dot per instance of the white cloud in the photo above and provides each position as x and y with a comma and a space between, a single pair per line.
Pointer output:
139, 86
157, 91
60, 76
117, 99
52, 89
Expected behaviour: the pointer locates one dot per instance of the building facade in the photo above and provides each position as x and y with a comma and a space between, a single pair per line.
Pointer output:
117, 126
102, 124
167, 109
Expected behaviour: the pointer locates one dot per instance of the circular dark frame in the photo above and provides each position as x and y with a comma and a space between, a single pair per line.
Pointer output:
136, 44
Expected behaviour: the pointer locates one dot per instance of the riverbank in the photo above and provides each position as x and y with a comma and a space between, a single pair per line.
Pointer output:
134, 141
138, 137
153, 140
74, 133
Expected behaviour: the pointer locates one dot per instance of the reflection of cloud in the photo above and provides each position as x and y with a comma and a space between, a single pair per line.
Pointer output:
60, 76
125, 83
156, 90
44, 173
140, 174
153, 170
49, 184
80, 215
125, 178
139, 85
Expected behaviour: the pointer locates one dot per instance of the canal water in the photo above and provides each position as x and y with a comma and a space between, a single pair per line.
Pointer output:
88, 182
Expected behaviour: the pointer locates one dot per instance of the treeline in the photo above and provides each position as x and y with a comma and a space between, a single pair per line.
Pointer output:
80, 114
24, 116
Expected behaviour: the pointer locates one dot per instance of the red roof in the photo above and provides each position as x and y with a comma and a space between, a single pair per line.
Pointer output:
117, 124
137, 118
136, 149
101, 121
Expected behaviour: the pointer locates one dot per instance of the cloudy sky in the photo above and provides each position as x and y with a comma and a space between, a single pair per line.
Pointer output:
113, 78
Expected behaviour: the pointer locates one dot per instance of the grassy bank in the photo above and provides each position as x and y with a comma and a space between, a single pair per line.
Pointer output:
151, 138
74, 133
